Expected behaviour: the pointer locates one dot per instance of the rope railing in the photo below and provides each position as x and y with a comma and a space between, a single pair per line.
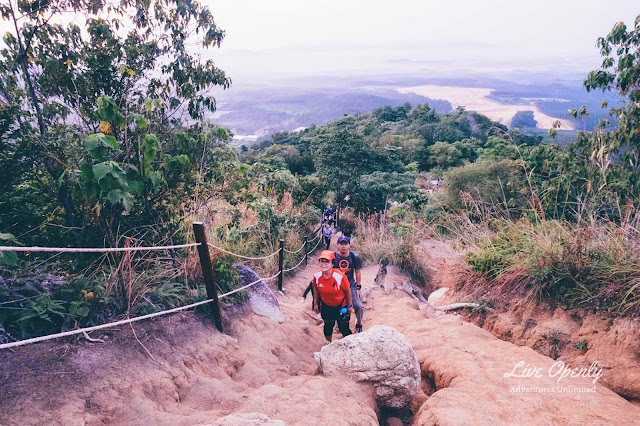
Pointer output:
126, 321
99, 327
247, 286
299, 263
294, 252
316, 246
94, 249
205, 262
241, 256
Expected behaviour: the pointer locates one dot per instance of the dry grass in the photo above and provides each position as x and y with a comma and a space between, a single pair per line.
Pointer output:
593, 265
394, 243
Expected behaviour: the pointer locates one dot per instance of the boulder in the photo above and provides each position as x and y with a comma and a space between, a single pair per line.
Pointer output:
381, 356
261, 299
247, 419
434, 296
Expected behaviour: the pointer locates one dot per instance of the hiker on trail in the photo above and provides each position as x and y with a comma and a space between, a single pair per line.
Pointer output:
327, 217
348, 262
306, 291
346, 231
332, 296
327, 232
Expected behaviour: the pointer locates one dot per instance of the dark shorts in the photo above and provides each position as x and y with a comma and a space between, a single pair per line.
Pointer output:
332, 313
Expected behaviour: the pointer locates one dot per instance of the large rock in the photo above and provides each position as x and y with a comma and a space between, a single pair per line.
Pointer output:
261, 299
248, 419
380, 355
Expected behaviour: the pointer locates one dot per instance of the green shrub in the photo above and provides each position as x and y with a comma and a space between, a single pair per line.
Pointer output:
581, 345
495, 183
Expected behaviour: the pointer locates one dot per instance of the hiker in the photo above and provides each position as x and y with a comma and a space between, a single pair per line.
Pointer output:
327, 217
348, 262
327, 232
332, 296
306, 291
346, 231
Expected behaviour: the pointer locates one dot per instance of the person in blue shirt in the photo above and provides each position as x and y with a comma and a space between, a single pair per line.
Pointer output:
348, 262
327, 232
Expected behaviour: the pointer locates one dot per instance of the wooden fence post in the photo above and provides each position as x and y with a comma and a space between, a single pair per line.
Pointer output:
306, 250
207, 272
280, 264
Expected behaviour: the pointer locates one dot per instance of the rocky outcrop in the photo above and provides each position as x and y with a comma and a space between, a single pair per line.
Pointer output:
576, 337
315, 400
261, 299
381, 356
248, 419
481, 380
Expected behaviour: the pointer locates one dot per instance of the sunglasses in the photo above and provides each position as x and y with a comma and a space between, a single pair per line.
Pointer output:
324, 261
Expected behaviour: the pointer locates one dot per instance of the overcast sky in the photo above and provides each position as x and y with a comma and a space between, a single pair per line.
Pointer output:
293, 38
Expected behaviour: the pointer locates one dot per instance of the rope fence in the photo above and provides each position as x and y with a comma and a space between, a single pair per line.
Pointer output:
126, 321
297, 251
100, 327
94, 249
207, 272
244, 257
299, 263
248, 285
316, 246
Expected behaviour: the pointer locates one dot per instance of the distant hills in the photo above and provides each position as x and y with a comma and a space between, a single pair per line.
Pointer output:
255, 114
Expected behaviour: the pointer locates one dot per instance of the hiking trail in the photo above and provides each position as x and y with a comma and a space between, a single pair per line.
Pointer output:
198, 375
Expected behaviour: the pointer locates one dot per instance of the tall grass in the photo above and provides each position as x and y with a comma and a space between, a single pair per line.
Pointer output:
591, 264
393, 243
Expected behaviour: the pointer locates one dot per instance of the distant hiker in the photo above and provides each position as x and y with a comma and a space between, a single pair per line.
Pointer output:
332, 296
348, 262
328, 217
346, 231
327, 232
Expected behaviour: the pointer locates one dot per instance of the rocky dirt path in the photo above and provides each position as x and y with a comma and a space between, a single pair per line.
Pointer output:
469, 376
188, 373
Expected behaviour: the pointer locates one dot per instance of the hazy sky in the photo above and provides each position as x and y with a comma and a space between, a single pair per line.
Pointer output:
291, 38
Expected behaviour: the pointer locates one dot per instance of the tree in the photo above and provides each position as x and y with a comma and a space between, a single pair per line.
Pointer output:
601, 168
620, 71
132, 57
378, 187
423, 114
495, 183
497, 148
523, 119
341, 159
445, 155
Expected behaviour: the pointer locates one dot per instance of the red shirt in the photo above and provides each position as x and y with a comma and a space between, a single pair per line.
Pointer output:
332, 290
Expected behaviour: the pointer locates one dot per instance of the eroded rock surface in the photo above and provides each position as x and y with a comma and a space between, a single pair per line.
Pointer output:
467, 366
248, 419
315, 400
478, 381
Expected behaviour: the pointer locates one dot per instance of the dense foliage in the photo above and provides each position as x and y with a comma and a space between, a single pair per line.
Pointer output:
103, 142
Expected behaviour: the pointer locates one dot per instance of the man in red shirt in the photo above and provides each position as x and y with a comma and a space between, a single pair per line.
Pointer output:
332, 296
